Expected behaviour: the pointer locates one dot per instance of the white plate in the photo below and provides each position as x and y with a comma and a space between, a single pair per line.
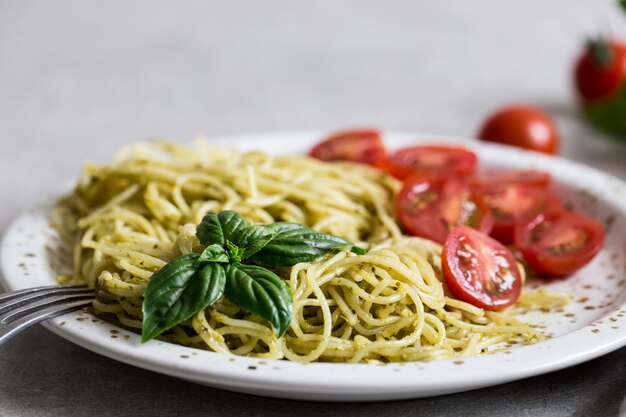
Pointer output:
593, 325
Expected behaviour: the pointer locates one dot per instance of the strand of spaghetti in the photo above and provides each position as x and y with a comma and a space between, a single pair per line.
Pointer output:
208, 334
114, 284
310, 277
406, 341
115, 201
519, 329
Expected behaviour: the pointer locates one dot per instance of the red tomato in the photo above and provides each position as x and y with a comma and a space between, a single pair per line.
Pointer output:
480, 270
431, 160
431, 207
365, 146
510, 176
559, 242
601, 70
513, 203
522, 126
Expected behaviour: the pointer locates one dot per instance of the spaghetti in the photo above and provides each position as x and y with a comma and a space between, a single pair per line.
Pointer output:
127, 219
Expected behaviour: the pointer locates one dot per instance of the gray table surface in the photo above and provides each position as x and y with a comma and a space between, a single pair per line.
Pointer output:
80, 79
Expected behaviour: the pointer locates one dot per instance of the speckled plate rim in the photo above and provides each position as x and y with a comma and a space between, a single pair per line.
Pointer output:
321, 381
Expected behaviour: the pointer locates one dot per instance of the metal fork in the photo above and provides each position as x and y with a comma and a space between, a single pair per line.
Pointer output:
22, 309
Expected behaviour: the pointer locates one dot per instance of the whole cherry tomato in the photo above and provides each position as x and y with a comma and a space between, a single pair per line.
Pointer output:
523, 126
600, 80
601, 70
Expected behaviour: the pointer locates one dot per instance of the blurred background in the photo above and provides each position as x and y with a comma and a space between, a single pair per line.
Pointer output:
80, 79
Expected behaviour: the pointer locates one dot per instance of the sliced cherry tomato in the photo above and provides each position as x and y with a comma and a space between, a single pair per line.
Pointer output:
480, 270
432, 160
558, 243
431, 207
513, 203
510, 176
364, 146
601, 70
522, 126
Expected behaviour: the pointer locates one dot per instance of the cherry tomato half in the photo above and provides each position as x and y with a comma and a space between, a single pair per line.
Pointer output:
509, 177
513, 203
557, 243
431, 207
364, 146
522, 126
601, 70
480, 270
431, 160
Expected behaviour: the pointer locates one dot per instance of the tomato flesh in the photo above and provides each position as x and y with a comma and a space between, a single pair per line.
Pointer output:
363, 146
429, 208
480, 270
558, 243
431, 161
509, 177
522, 126
512, 203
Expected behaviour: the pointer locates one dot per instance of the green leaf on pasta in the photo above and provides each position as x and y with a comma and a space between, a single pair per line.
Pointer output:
294, 243
178, 291
251, 239
219, 228
260, 292
194, 281
213, 253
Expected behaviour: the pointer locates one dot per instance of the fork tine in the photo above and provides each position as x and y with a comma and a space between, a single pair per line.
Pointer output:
8, 331
38, 290
23, 308
12, 301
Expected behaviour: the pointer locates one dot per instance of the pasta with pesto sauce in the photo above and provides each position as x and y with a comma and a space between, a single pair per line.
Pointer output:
127, 219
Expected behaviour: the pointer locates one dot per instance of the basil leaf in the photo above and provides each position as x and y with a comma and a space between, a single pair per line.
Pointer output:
261, 292
234, 253
252, 239
218, 228
294, 243
358, 250
213, 253
178, 291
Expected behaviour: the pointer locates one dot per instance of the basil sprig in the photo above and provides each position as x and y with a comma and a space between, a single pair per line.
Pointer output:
192, 282
294, 243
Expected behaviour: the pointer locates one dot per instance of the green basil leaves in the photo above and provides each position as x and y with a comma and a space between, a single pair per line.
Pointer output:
261, 292
294, 243
194, 281
178, 291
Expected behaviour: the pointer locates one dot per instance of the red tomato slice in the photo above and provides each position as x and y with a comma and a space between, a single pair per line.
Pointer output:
510, 176
558, 243
480, 270
431, 207
364, 146
431, 160
511, 204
